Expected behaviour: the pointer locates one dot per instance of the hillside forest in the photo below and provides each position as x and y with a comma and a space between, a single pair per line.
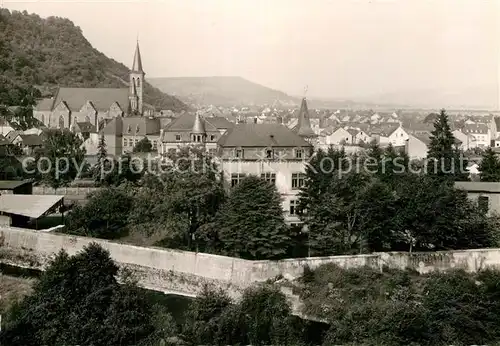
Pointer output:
52, 52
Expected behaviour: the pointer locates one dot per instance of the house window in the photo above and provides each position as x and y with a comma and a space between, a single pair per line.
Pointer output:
483, 203
299, 153
130, 142
212, 137
177, 137
269, 154
269, 177
154, 145
124, 142
236, 178
136, 141
239, 153
129, 129
212, 152
298, 180
293, 207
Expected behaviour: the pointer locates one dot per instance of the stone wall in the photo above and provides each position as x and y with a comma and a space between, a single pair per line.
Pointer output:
182, 272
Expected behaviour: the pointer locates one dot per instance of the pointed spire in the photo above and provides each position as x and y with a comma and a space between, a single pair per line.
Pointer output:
199, 125
137, 65
303, 127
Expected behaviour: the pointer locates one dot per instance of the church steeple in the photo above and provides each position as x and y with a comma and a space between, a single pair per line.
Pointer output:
137, 65
137, 82
303, 127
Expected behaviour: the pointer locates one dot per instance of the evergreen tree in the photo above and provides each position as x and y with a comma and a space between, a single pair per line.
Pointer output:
143, 146
446, 162
251, 223
102, 153
490, 166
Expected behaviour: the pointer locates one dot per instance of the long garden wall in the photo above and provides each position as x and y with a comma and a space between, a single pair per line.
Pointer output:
183, 272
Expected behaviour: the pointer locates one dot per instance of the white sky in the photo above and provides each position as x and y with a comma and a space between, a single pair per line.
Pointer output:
344, 48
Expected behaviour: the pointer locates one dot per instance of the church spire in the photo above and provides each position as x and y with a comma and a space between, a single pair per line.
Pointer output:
137, 65
303, 127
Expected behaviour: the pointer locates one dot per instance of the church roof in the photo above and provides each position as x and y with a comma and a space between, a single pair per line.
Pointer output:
261, 135
137, 65
303, 127
101, 98
85, 126
45, 104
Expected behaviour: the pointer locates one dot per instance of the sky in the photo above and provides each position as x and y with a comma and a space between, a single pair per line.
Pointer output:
339, 49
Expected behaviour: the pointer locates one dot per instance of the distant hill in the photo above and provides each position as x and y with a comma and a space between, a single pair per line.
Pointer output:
222, 91
53, 52
485, 97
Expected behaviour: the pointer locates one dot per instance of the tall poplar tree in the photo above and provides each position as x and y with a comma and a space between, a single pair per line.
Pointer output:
445, 161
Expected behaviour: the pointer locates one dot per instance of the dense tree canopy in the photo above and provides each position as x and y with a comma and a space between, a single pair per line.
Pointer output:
250, 224
61, 158
78, 301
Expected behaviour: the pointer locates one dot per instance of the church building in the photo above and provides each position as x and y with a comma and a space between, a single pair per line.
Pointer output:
92, 107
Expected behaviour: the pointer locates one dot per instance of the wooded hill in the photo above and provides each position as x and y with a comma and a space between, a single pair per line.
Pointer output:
53, 52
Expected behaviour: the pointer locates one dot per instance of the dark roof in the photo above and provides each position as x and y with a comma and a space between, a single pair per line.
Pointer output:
85, 126
46, 104
384, 129
185, 123
12, 184
475, 128
424, 137
478, 186
261, 135
220, 122
353, 132
101, 98
31, 140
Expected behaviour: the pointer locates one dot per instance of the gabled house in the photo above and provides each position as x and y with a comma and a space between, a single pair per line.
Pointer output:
417, 146
28, 143
339, 137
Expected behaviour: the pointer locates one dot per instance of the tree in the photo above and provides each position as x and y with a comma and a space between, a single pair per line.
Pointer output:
104, 216
78, 301
320, 169
143, 146
251, 222
489, 167
184, 199
102, 163
61, 159
440, 217
354, 215
122, 170
447, 161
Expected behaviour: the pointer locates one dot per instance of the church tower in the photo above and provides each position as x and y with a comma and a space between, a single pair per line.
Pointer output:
303, 127
137, 83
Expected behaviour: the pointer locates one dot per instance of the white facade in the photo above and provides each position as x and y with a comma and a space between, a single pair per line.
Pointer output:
288, 176
398, 137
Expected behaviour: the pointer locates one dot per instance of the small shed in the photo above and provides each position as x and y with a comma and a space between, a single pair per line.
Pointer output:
19, 210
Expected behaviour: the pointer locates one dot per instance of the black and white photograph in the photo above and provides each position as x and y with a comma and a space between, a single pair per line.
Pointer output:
249, 172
